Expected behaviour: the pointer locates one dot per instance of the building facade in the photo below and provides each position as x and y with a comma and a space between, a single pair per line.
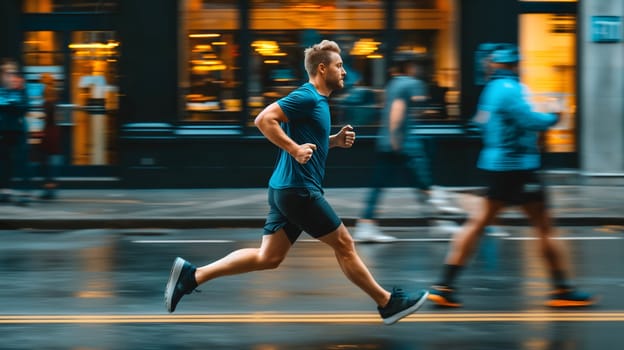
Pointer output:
163, 93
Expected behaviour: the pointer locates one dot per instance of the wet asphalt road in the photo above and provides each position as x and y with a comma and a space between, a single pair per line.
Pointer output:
103, 289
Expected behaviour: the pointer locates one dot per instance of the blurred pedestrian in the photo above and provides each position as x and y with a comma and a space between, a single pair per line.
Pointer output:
398, 151
299, 124
14, 155
510, 159
50, 149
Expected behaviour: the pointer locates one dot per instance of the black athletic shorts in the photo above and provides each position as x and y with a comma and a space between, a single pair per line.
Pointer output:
300, 209
515, 187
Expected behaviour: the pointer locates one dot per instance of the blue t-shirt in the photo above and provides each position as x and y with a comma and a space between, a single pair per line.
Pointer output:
309, 122
399, 88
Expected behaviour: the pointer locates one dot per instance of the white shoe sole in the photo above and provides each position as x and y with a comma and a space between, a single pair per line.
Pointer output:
447, 209
383, 239
176, 269
396, 317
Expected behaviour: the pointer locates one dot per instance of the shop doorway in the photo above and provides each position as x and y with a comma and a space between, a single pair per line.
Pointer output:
84, 67
548, 69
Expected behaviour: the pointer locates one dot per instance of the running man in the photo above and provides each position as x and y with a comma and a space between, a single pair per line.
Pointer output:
510, 158
299, 124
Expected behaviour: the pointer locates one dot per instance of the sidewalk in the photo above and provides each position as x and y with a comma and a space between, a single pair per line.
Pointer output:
211, 208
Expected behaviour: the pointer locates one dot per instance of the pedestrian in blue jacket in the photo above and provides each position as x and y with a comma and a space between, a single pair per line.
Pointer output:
14, 159
510, 159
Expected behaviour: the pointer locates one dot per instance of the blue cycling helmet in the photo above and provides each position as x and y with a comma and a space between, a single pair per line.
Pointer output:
505, 53
408, 56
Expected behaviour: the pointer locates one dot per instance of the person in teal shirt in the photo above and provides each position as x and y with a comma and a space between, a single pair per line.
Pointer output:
304, 106
510, 159
399, 152
299, 124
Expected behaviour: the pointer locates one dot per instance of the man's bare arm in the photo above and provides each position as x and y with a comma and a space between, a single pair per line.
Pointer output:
268, 121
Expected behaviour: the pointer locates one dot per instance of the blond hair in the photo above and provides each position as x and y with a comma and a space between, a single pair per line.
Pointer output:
319, 53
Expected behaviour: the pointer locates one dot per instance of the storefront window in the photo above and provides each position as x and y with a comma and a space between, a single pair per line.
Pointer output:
85, 77
430, 28
360, 28
43, 54
279, 32
84, 6
95, 93
210, 75
277, 54
548, 68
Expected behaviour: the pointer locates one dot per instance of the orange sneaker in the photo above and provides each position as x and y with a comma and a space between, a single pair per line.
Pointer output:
444, 296
569, 297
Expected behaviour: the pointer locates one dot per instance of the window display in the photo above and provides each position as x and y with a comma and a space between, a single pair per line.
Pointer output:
278, 32
548, 48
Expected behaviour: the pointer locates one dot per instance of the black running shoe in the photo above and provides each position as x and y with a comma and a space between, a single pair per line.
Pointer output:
401, 305
444, 296
181, 281
569, 297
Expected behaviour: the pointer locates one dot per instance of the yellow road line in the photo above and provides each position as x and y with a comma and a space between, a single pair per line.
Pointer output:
335, 318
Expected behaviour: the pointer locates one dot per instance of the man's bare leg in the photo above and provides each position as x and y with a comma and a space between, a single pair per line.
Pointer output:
540, 219
563, 295
465, 240
185, 277
461, 249
270, 255
391, 306
353, 267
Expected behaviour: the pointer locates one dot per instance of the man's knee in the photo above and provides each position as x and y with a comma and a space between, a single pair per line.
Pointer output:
344, 243
269, 262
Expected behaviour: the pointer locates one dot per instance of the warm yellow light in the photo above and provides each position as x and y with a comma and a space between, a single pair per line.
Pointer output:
219, 43
264, 43
271, 61
98, 53
209, 68
365, 47
108, 45
375, 56
275, 54
93, 294
207, 62
210, 35
267, 48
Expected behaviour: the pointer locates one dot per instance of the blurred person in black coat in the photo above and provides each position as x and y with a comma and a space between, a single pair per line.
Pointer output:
14, 159
51, 139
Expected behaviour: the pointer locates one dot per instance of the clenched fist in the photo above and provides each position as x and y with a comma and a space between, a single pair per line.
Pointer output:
304, 152
345, 137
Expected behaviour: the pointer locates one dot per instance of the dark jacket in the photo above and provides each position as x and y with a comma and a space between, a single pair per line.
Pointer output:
51, 140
